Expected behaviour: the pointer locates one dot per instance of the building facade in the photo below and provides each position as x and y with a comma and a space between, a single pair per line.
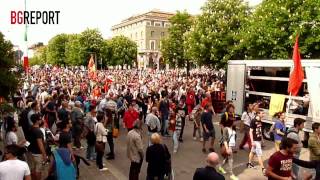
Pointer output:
147, 30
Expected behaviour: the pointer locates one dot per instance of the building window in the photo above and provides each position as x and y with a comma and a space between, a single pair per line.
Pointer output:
141, 47
152, 44
141, 34
152, 33
162, 34
167, 25
148, 23
136, 35
157, 24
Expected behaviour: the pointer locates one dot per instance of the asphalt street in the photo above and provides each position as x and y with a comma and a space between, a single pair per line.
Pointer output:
185, 161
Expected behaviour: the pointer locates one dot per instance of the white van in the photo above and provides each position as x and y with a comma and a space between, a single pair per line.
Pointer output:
250, 81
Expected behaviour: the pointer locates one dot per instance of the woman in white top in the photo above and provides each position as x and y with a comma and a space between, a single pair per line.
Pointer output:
246, 118
101, 138
229, 141
11, 136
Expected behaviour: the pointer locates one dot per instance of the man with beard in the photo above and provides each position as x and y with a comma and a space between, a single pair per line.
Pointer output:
280, 163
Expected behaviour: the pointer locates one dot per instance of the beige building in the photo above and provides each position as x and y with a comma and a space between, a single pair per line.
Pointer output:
147, 30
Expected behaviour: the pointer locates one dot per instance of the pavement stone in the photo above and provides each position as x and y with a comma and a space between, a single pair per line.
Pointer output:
190, 157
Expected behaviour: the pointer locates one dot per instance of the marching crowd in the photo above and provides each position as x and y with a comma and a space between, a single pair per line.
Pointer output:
61, 111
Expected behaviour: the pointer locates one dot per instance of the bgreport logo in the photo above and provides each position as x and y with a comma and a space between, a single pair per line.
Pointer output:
35, 17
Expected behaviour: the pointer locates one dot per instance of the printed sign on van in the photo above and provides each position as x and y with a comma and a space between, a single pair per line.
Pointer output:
313, 81
276, 103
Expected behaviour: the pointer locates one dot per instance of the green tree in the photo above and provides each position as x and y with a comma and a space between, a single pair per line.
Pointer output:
124, 51
8, 78
214, 39
56, 49
75, 53
39, 57
106, 52
172, 48
274, 24
91, 42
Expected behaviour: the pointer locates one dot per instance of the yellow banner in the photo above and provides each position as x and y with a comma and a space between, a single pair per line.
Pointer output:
276, 103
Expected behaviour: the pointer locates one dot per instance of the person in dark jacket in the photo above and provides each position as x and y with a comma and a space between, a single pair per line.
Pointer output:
315, 164
209, 172
157, 156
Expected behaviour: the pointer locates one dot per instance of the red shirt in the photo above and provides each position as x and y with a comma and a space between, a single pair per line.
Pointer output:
96, 92
130, 117
205, 101
281, 164
190, 98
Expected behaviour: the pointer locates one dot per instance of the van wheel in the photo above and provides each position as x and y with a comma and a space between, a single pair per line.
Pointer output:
265, 132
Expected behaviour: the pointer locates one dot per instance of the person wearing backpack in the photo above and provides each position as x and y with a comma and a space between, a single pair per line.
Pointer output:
62, 167
279, 129
229, 142
293, 133
228, 118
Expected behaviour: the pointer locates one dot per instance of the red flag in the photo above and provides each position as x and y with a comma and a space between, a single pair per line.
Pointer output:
106, 85
26, 63
92, 69
297, 75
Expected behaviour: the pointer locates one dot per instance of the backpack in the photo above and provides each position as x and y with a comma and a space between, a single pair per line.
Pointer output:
63, 171
290, 131
227, 115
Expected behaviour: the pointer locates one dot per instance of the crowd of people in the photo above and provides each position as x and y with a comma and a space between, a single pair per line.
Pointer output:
61, 111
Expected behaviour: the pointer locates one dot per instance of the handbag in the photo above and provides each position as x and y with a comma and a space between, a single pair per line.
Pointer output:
223, 150
115, 132
242, 126
167, 160
99, 146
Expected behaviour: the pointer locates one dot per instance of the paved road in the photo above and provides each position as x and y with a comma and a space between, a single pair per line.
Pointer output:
188, 158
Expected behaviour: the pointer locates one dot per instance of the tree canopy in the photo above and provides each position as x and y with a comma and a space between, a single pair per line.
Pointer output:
8, 78
214, 38
272, 28
56, 49
124, 51
75, 49
172, 48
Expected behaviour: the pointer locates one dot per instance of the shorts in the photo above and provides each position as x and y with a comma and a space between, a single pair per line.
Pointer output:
257, 148
277, 144
35, 162
206, 135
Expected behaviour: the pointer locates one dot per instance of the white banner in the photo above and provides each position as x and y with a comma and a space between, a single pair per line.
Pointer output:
313, 80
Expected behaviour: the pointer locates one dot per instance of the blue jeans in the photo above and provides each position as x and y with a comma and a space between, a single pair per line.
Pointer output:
295, 168
175, 139
164, 124
91, 152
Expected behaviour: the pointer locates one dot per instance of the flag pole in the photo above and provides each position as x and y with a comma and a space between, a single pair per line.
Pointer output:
25, 58
290, 94
289, 103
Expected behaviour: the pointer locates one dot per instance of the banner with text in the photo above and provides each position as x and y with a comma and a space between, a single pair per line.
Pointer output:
276, 103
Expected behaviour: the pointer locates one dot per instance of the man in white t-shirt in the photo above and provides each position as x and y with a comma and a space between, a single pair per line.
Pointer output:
12, 168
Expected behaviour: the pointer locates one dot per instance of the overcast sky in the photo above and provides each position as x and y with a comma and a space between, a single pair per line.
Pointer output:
77, 15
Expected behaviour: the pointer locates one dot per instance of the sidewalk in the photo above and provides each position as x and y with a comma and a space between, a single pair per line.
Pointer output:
92, 172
